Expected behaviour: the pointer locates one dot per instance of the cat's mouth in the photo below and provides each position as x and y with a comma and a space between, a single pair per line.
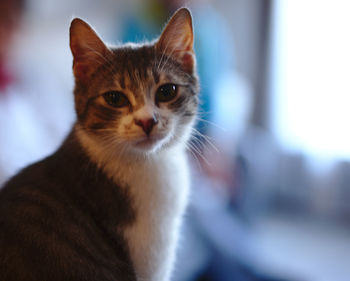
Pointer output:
148, 142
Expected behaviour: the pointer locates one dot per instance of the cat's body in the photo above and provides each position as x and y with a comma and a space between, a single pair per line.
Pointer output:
55, 224
164, 181
108, 204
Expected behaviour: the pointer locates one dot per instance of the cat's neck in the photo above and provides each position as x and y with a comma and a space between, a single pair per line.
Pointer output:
158, 184
121, 162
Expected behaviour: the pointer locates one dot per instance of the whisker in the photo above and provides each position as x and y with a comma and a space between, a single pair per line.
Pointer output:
208, 139
199, 153
211, 123
194, 157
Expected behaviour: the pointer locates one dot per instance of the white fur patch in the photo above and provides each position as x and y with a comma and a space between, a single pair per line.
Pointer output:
159, 186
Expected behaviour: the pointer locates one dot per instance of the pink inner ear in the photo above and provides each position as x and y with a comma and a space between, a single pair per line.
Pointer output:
188, 42
188, 62
85, 61
79, 53
81, 70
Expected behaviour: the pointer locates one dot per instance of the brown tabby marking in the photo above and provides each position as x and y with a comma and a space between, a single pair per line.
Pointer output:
133, 70
77, 215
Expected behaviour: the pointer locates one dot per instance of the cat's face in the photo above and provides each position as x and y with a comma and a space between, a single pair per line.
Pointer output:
138, 97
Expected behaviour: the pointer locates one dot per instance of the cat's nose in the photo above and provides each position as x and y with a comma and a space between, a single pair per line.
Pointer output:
146, 124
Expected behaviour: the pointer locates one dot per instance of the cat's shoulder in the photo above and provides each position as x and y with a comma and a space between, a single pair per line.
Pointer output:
33, 173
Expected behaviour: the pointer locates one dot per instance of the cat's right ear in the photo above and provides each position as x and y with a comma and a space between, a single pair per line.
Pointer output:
87, 48
176, 39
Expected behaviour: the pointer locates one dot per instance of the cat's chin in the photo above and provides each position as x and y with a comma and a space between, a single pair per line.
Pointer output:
148, 144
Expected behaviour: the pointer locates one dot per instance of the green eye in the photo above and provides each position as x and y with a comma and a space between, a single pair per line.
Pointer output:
116, 99
166, 93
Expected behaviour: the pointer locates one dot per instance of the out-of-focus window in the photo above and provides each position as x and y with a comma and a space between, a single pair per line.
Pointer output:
311, 77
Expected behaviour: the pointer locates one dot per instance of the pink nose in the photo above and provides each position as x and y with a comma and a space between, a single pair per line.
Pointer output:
146, 124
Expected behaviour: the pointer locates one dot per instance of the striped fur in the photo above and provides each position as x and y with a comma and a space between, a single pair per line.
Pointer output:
108, 204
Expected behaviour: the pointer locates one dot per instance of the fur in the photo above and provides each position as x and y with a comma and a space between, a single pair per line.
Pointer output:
107, 205
159, 200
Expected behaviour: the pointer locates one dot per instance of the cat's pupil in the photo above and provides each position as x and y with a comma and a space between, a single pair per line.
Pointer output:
116, 99
166, 93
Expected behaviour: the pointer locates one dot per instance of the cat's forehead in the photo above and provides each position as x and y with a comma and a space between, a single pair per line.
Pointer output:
136, 68
133, 58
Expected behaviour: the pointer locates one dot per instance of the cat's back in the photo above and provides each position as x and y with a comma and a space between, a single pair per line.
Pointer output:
49, 231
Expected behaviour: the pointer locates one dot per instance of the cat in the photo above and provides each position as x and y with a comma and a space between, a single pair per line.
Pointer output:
107, 205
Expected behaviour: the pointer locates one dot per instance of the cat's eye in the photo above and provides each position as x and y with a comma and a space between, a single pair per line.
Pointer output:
116, 99
166, 93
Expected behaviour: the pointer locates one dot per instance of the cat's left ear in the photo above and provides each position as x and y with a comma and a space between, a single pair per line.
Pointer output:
87, 48
176, 40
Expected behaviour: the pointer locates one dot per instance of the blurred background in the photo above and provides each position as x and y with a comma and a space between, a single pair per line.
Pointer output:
271, 179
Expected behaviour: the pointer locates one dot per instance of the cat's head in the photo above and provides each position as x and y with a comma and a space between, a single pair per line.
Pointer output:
139, 97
